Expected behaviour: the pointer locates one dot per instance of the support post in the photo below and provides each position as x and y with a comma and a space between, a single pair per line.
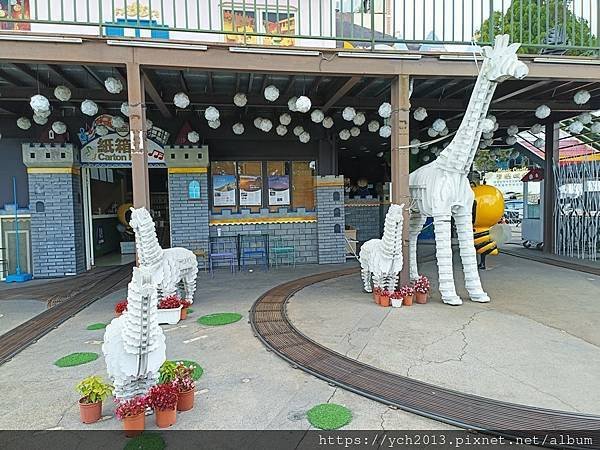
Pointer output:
137, 136
400, 159
551, 158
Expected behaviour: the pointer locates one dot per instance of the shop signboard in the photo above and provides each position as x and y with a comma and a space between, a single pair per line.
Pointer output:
224, 190
250, 190
279, 190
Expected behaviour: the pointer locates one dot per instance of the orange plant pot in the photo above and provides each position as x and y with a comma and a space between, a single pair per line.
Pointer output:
90, 412
185, 400
134, 425
375, 298
408, 300
118, 314
183, 314
384, 300
165, 417
421, 298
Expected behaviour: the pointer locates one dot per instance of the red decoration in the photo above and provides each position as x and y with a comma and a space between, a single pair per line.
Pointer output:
169, 302
536, 174
121, 307
163, 396
131, 407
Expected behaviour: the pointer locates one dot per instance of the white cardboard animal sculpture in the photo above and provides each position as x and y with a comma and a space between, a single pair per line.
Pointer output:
381, 259
170, 267
134, 344
441, 189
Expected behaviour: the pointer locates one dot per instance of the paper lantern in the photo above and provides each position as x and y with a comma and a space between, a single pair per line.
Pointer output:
492, 118
344, 135
487, 125
303, 104
298, 130
385, 110
439, 125
575, 127
482, 144
149, 124
43, 113
304, 137
354, 131
436, 151
489, 135
292, 104
39, 103
373, 126
214, 124
101, 130
285, 119
59, 127
349, 113
238, 128
496, 126
425, 157
281, 130
385, 131
317, 116
595, 128
511, 140
431, 132
181, 100
62, 93
327, 122
585, 118
193, 137
380, 154
125, 109
444, 132
536, 129
271, 93
118, 122
240, 100
488, 142
542, 112
581, 97
89, 108
257, 122
211, 114
113, 85
24, 123
512, 130
359, 119
420, 114
539, 143
40, 120
266, 125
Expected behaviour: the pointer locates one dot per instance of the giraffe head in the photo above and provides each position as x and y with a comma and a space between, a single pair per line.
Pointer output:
503, 62
139, 217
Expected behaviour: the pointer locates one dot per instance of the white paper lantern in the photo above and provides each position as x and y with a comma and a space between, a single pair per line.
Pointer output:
43, 113
585, 118
271, 93
344, 135
425, 158
39, 103
496, 126
595, 128
317, 116
432, 133
303, 104
415, 142
292, 104
420, 114
238, 128
380, 154
488, 142
113, 85
125, 109
298, 130
489, 135
327, 122
240, 100
214, 124
285, 119
24, 123
89, 108
511, 140
101, 130
354, 131
581, 97
487, 125
281, 130
385, 110
193, 137
349, 113
40, 120
492, 118
181, 100
512, 130
149, 124
359, 119
118, 122
439, 125
266, 125
257, 122
539, 143
536, 128
414, 150
59, 127
373, 126
436, 151
211, 114
482, 144
576, 127
62, 93
385, 131
444, 132
542, 112
304, 137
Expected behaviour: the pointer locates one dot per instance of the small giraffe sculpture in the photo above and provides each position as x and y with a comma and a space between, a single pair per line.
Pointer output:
441, 189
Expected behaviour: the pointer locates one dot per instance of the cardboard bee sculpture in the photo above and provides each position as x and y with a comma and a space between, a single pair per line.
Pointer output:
441, 189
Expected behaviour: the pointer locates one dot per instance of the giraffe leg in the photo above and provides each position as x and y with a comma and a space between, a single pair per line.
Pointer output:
366, 278
468, 256
443, 252
415, 226
189, 283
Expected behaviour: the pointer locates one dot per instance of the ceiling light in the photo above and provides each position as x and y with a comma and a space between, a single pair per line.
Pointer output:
274, 51
151, 44
33, 38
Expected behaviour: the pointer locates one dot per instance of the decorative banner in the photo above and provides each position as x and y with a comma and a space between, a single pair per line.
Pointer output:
250, 190
279, 190
224, 190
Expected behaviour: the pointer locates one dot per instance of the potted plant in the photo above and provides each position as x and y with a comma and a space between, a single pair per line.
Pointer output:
93, 390
396, 299
407, 294
376, 293
384, 298
163, 399
421, 286
185, 386
167, 372
185, 304
120, 307
133, 414
169, 310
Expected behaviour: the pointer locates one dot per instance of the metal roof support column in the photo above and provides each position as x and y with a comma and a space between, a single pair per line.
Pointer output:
551, 159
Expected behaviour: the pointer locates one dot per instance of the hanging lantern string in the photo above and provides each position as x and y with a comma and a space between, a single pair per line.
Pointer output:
420, 144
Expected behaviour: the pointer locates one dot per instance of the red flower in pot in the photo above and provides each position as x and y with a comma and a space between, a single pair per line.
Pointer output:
133, 414
163, 399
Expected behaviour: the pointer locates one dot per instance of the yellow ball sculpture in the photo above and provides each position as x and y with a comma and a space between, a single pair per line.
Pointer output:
488, 210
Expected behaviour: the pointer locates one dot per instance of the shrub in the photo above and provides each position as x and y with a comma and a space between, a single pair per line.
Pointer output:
93, 389
163, 396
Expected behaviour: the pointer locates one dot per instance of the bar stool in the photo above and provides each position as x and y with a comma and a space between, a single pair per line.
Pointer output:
253, 247
222, 249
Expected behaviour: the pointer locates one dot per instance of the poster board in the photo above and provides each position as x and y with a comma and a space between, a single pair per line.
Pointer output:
279, 190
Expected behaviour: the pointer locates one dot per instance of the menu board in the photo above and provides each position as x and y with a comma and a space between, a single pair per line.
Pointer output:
224, 190
279, 190
250, 190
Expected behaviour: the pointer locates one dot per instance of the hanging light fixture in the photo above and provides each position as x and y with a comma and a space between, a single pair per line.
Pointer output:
317, 116
214, 124
420, 114
24, 123
327, 122
240, 99
113, 85
281, 130
304, 137
542, 112
385, 110
62, 93
359, 119
89, 108
385, 131
238, 128
193, 137
303, 104
582, 97
439, 125
292, 104
348, 113
211, 114
373, 126
181, 100
59, 127
285, 119
271, 93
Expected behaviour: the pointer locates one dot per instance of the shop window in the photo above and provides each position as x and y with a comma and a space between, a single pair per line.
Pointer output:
224, 185
194, 190
279, 184
303, 179
251, 185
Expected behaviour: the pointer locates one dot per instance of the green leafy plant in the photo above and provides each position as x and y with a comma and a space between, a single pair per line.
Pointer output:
93, 389
167, 372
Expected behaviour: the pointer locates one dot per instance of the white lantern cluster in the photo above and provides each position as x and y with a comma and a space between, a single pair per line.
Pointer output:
512, 130
327, 122
585, 118
281, 130
536, 128
59, 127
354, 131
317, 116
542, 111
62, 93
344, 135
511, 140
125, 109
539, 143
349, 113
285, 119
238, 128
89, 108
439, 125
385, 110
373, 126
304, 137
102, 130
359, 119
420, 114
193, 137
211, 114
303, 104
575, 127
214, 124
487, 125
431, 132
444, 132
39, 104
266, 125
113, 85
414, 146
271, 93
181, 100
292, 104
24, 123
582, 97
488, 135
595, 128
149, 124
118, 122
298, 130
240, 99
385, 131
40, 120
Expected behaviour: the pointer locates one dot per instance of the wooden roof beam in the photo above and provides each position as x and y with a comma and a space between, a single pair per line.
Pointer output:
349, 84
155, 96
523, 90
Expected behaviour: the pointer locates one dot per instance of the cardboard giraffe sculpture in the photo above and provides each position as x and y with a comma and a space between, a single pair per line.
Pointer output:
441, 189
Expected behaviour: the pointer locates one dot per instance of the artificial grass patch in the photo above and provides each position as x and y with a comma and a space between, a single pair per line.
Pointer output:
198, 371
146, 441
329, 416
96, 326
76, 359
190, 310
219, 319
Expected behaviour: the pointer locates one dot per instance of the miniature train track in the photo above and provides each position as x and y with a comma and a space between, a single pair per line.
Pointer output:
272, 326
67, 298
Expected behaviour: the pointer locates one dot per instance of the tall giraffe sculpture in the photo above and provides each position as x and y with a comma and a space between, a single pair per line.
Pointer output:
441, 189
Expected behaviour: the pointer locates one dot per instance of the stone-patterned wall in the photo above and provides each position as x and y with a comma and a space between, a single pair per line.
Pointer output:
366, 218
57, 238
188, 217
330, 219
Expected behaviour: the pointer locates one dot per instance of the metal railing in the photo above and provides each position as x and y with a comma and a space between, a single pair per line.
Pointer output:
543, 26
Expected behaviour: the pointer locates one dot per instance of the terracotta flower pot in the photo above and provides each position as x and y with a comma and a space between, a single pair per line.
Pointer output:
134, 425
421, 298
184, 312
185, 400
165, 417
384, 300
375, 297
118, 314
90, 412
408, 300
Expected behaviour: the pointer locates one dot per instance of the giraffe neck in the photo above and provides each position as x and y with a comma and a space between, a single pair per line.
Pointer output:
146, 243
458, 155
392, 238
